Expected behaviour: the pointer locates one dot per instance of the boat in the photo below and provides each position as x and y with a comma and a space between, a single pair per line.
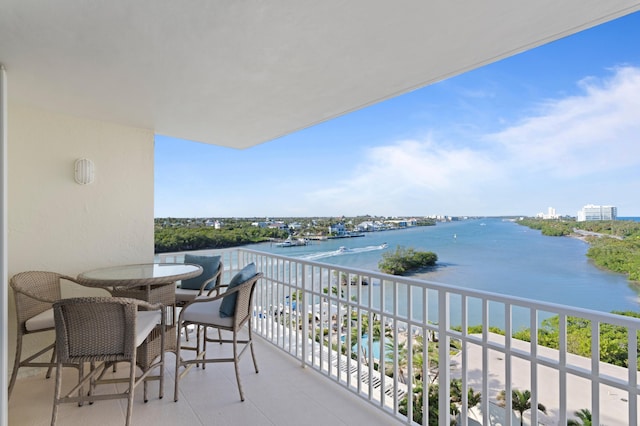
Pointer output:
342, 249
292, 243
384, 245
286, 243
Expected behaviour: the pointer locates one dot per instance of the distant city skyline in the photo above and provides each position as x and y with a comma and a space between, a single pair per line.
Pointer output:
554, 126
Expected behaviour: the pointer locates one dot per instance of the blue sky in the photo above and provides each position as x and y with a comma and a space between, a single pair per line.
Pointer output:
557, 126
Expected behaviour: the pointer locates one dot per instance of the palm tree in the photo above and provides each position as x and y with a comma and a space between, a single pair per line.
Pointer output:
473, 398
417, 359
520, 402
402, 356
585, 418
434, 360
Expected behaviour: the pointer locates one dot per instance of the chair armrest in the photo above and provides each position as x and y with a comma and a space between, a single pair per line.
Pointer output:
216, 277
209, 298
39, 297
206, 299
217, 289
152, 307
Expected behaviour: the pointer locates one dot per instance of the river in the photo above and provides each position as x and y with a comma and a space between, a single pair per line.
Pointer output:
491, 255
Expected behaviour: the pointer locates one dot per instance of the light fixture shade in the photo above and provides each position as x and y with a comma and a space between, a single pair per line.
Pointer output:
84, 171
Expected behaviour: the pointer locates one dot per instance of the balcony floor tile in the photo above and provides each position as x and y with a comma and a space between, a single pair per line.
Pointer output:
282, 394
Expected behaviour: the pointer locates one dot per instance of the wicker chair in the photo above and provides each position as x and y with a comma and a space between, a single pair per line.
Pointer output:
204, 312
34, 294
103, 331
185, 295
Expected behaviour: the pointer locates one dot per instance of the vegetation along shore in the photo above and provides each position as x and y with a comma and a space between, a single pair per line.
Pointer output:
180, 234
614, 244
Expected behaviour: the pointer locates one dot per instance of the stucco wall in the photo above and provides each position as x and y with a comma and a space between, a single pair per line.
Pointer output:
58, 225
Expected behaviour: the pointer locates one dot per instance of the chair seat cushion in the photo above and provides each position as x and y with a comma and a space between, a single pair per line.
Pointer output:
42, 321
184, 295
206, 313
145, 322
228, 306
209, 268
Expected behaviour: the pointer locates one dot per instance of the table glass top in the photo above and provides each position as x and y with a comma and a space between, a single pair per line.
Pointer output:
146, 271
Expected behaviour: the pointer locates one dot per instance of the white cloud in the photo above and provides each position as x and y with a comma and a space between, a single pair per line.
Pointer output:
408, 177
569, 138
579, 135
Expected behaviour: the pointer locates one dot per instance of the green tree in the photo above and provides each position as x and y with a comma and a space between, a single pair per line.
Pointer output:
617, 248
432, 419
404, 260
613, 339
418, 406
401, 357
520, 402
584, 418
473, 398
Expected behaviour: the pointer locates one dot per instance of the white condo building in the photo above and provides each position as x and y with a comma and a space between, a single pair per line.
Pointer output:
592, 212
551, 214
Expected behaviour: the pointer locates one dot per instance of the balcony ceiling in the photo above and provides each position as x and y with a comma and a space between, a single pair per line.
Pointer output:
239, 73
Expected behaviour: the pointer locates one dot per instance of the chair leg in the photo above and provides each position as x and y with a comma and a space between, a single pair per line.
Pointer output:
16, 366
253, 354
30, 361
56, 395
80, 376
186, 332
132, 380
53, 358
92, 382
177, 370
162, 367
236, 363
201, 340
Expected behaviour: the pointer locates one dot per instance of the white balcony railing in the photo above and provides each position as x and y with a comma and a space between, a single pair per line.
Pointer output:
315, 312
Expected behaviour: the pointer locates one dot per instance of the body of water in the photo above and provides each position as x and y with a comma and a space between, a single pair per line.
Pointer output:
490, 255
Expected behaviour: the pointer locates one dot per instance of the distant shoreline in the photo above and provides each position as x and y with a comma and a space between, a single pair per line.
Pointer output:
580, 237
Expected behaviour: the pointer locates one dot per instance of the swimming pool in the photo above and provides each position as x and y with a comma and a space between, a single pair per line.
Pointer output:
365, 347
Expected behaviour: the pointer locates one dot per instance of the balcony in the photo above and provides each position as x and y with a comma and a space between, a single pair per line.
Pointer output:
282, 393
308, 314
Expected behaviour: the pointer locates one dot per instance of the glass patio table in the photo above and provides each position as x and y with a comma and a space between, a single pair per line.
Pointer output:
139, 275
152, 282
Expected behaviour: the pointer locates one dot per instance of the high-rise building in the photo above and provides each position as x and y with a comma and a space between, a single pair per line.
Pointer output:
551, 214
592, 212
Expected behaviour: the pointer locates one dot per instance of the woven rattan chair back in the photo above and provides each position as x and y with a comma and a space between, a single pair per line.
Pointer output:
34, 293
244, 306
95, 329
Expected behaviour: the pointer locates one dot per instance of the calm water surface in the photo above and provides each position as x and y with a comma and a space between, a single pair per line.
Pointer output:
490, 255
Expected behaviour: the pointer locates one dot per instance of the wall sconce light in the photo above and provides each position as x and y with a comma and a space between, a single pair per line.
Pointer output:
84, 171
